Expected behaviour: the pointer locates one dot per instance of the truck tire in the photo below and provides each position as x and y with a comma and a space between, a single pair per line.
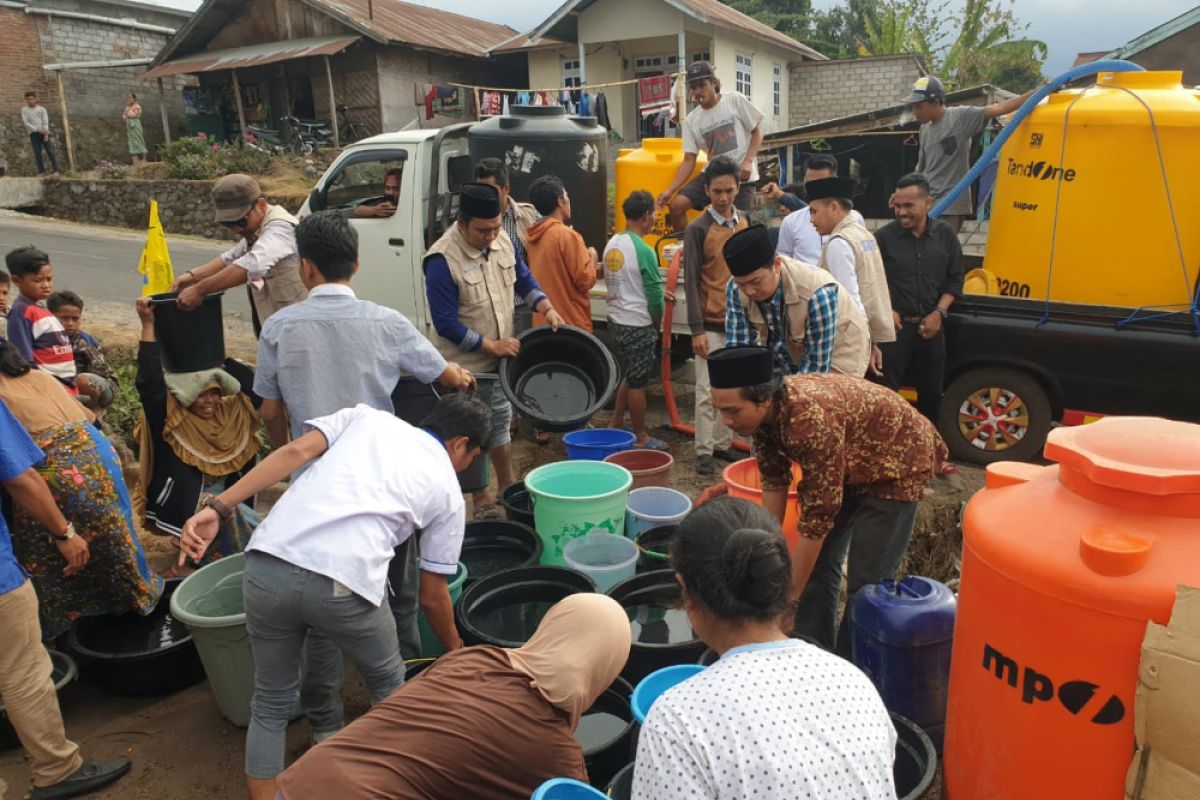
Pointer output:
995, 414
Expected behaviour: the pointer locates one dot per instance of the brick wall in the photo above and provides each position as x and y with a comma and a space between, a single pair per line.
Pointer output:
825, 90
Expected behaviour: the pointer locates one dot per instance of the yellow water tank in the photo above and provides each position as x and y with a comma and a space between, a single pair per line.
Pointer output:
651, 167
1100, 197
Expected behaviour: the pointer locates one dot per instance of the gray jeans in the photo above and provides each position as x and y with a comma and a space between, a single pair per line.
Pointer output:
283, 602
875, 533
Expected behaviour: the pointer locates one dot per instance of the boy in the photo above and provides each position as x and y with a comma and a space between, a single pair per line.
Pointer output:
35, 332
37, 124
94, 379
5, 288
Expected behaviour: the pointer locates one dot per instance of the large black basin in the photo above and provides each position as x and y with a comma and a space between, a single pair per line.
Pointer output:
518, 506
560, 379
505, 608
494, 545
62, 672
605, 733
916, 760
662, 635
621, 787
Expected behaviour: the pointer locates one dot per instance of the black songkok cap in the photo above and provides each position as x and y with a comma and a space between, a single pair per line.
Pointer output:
748, 250
736, 367
479, 201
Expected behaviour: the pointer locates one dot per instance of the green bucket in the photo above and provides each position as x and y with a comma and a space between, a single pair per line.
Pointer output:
209, 603
431, 647
574, 498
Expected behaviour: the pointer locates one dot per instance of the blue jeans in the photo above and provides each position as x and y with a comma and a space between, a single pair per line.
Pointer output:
283, 602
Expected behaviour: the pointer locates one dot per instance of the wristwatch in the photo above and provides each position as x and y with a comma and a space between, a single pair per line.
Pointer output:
941, 311
66, 535
211, 501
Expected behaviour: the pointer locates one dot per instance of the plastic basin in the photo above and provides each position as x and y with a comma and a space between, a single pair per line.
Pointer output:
209, 603
653, 506
574, 498
505, 608
648, 467
916, 761
62, 671
621, 787
651, 687
560, 379
496, 544
431, 646
138, 656
745, 481
566, 789
413, 401
605, 733
415, 666
662, 634
606, 558
654, 547
595, 444
189, 341
517, 505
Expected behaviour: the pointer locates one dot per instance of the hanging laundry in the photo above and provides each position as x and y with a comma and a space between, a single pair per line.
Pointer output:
677, 91
585, 104
523, 98
575, 96
600, 111
445, 100
654, 94
492, 104
505, 106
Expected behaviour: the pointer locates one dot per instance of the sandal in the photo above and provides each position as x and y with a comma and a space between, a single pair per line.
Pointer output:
489, 511
653, 443
176, 571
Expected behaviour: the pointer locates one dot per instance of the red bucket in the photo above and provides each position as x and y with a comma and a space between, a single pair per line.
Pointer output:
649, 467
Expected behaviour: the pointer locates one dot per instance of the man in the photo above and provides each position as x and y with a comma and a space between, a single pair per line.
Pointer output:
725, 124
924, 264
472, 275
320, 559
561, 263
635, 308
798, 239
806, 318
383, 206
705, 278
37, 124
265, 257
945, 138
28, 692
852, 255
865, 455
517, 218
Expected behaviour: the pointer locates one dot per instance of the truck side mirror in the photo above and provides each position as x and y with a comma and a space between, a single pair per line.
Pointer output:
316, 200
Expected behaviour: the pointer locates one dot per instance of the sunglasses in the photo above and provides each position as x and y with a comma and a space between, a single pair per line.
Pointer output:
244, 221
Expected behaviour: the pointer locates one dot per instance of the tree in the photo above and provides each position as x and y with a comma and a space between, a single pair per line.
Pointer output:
990, 49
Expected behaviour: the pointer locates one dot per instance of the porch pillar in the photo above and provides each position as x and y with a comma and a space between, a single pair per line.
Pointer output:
237, 101
337, 142
582, 64
681, 66
162, 107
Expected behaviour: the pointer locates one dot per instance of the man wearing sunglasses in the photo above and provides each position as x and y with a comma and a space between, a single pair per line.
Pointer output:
265, 257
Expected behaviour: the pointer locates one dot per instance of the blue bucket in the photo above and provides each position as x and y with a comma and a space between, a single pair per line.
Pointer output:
651, 687
594, 444
652, 506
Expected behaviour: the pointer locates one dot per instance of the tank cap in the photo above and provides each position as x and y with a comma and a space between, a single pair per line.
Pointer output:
1149, 455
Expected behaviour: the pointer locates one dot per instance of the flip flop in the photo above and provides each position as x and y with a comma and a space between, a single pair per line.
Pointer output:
489, 511
653, 443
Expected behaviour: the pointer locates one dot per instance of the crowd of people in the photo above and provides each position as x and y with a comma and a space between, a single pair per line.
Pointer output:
800, 341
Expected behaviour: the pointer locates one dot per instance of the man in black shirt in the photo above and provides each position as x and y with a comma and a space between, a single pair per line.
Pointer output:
924, 264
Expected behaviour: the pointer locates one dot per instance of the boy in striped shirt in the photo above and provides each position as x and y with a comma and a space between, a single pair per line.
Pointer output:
34, 331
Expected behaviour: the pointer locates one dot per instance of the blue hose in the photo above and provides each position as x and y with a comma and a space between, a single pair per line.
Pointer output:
993, 150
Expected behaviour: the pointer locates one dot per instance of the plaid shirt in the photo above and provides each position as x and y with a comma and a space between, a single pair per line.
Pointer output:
819, 333
509, 221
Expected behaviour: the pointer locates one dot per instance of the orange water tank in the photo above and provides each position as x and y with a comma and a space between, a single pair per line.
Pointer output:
1062, 567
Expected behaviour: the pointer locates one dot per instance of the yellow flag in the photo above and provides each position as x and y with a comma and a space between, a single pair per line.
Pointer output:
157, 275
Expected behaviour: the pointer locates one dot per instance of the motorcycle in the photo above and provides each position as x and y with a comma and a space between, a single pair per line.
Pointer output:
267, 140
308, 134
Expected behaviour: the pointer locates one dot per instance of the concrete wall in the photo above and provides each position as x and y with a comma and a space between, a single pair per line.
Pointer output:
763, 57
621, 20
825, 90
1181, 51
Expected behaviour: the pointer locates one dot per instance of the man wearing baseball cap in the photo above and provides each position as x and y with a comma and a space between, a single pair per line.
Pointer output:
724, 124
265, 257
945, 140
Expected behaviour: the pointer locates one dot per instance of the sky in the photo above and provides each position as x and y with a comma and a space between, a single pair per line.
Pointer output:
1066, 26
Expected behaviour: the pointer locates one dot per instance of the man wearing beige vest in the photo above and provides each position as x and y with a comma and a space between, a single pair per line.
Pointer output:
801, 313
265, 257
472, 275
851, 249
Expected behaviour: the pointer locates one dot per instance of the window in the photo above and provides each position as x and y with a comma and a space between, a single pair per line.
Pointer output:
701, 56
743, 74
673, 60
777, 88
653, 64
570, 73
359, 181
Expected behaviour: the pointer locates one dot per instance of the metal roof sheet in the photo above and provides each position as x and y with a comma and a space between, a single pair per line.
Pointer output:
252, 55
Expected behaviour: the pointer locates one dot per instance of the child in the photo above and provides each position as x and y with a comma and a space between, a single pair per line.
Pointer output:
94, 379
35, 332
5, 288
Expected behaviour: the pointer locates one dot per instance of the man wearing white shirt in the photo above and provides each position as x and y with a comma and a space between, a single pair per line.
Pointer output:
798, 239
320, 559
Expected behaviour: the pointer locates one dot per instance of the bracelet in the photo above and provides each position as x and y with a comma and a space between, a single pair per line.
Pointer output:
941, 311
211, 501
66, 536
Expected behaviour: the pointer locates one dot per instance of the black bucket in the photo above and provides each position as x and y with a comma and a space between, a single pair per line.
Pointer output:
605, 733
621, 787
135, 656
654, 547
504, 609
560, 379
493, 545
916, 760
414, 400
62, 672
518, 506
415, 666
662, 635
189, 341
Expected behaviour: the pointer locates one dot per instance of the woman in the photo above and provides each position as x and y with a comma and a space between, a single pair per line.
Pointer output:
774, 717
133, 127
198, 434
84, 475
481, 722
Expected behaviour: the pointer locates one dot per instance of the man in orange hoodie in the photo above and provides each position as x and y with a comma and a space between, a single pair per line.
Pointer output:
561, 263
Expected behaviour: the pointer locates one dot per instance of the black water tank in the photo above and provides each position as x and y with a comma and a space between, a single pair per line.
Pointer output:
544, 140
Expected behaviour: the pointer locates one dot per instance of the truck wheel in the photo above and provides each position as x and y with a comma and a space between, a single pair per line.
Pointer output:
994, 414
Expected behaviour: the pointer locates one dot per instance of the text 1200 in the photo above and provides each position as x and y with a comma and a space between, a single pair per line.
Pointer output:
1012, 288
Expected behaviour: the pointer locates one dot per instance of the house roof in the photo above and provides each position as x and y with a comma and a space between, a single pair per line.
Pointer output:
712, 12
252, 55
1152, 37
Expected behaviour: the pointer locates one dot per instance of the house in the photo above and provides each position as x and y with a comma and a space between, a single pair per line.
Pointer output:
392, 63
608, 41
94, 51
1173, 45
824, 90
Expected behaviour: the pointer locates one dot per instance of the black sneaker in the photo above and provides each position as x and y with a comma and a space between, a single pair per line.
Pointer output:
706, 465
91, 776
729, 455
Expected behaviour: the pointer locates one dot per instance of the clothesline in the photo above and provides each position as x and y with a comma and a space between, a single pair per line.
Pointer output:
557, 89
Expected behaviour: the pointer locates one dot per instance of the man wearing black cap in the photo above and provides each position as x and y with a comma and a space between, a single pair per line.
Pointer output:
865, 455
807, 319
472, 275
724, 124
851, 250
945, 140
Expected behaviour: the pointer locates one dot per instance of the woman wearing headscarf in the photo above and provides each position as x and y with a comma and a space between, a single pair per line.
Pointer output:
84, 475
134, 134
773, 717
198, 434
481, 723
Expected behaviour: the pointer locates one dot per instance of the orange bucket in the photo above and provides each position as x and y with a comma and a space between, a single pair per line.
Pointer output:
745, 481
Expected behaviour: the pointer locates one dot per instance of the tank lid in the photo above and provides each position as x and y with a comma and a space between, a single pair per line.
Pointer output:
537, 111
911, 612
1147, 455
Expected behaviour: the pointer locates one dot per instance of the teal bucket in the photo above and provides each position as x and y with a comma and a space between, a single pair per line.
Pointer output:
431, 646
209, 603
573, 498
